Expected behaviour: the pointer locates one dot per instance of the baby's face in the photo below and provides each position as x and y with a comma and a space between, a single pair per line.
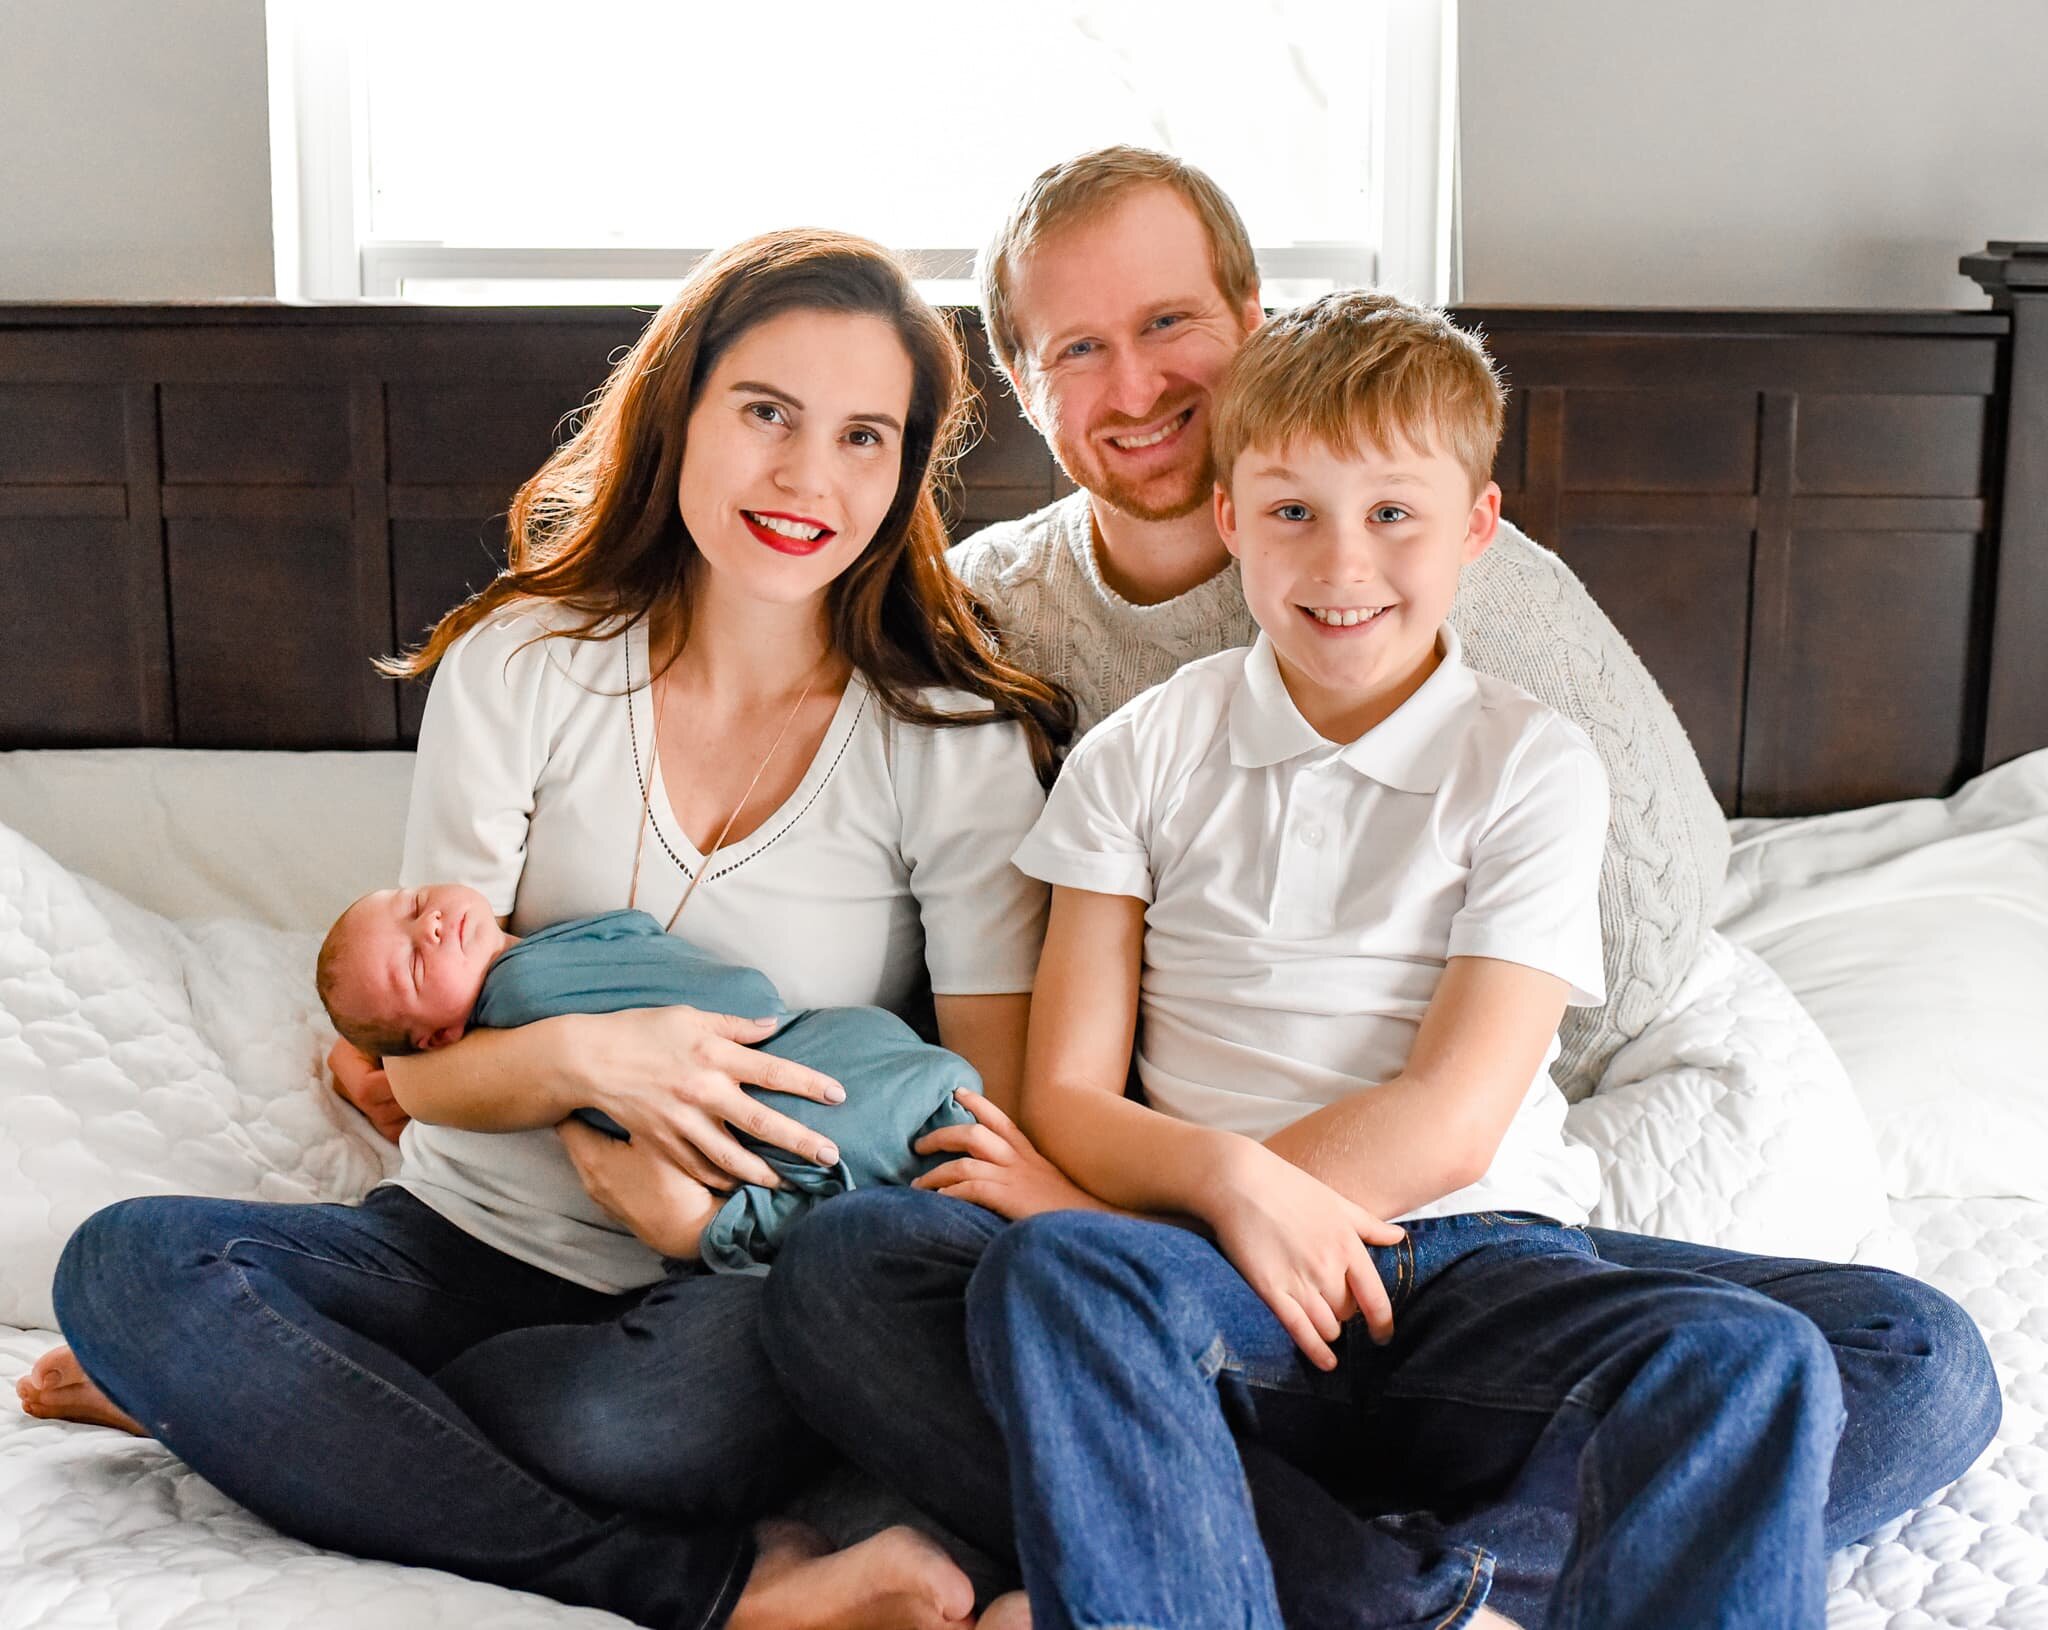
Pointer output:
415, 959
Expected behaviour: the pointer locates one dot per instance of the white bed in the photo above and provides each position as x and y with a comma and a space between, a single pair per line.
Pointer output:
139, 1055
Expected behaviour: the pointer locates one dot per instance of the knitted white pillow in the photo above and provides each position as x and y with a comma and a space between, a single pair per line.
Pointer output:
1525, 618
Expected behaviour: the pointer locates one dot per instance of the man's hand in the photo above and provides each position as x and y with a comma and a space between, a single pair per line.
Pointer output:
664, 1206
1000, 1168
1302, 1246
364, 1086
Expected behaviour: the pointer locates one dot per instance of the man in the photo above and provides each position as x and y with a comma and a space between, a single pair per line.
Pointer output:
1115, 297
1116, 294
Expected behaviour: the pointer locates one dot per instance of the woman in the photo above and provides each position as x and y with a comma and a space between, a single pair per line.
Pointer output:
728, 672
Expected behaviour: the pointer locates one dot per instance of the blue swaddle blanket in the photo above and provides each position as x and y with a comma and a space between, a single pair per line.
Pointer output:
898, 1086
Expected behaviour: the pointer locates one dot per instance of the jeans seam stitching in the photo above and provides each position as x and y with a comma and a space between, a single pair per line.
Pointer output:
1451, 1617
433, 1420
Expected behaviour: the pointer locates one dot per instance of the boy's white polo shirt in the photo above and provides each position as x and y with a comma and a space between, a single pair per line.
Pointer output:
1304, 897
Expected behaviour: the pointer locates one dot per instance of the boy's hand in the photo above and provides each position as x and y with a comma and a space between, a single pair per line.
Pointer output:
364, 1086
1000, 1168
665, 1208
1302, 1246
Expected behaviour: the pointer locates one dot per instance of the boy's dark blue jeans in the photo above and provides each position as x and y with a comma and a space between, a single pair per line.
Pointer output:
1578, 1429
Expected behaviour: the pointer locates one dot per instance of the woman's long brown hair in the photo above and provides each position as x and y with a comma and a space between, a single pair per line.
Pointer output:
597, 529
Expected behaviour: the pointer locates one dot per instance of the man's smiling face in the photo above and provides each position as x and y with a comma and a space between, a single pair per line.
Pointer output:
1123, 334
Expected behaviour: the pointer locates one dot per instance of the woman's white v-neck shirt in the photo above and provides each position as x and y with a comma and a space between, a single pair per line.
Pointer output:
887, 872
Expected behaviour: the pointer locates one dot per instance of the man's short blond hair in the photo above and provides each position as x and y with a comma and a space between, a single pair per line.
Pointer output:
1081, 188
1360, 366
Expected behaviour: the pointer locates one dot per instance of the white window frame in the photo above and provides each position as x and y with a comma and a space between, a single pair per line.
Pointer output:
320, 179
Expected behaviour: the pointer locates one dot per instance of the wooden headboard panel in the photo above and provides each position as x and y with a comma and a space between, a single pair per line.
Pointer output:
1815, 527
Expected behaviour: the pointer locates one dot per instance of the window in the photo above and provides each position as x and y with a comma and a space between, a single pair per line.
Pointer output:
532, 153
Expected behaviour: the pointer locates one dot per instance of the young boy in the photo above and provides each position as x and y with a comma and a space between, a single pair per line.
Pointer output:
403, 970
1340, 888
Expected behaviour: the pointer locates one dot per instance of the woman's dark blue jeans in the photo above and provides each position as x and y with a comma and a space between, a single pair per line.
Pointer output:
1570, 1438
372, 1379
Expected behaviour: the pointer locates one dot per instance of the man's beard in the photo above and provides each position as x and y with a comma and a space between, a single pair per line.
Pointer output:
1153, 500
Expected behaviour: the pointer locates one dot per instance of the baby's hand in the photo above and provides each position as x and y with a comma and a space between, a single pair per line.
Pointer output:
666, 1208
362, 1084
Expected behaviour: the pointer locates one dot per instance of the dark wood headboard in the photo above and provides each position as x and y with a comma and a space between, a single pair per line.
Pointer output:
1826, 532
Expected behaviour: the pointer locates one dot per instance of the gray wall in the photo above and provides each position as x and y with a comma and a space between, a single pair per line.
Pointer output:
136, 143
1747, 152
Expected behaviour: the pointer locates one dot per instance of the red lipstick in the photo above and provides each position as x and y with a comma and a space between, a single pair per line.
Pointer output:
787, 545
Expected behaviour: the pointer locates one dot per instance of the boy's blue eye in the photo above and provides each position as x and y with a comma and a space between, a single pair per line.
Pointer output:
1079, 348
1292, 512
1387, 514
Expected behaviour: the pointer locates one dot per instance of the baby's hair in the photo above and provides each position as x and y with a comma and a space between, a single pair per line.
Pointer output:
367, 1036
1361, 366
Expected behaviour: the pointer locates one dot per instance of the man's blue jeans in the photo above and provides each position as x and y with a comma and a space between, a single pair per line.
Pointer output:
372, 1379
1572, 1443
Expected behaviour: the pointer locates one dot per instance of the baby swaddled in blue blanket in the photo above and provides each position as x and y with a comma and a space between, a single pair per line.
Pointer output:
393, 985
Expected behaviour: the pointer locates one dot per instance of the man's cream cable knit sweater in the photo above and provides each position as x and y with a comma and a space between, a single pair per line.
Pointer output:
1524, 618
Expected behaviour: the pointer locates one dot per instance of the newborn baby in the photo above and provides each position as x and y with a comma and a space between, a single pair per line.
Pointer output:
404, 970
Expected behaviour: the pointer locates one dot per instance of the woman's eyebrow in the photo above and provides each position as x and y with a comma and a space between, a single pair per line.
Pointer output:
756, 387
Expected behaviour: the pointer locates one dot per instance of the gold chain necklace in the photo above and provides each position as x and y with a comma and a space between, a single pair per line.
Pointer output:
647, 801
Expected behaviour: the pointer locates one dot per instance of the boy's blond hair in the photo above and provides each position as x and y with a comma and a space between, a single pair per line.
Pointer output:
367, 1036
1082, 187
1361, 366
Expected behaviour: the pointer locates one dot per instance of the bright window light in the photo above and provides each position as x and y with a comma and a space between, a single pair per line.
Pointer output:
526, 151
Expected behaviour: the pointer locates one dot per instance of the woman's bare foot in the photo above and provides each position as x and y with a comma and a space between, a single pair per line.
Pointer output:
899, 1580
1011, 1611
57, 1388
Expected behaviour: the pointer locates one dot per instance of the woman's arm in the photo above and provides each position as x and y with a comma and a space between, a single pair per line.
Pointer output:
493, 1080
672, 1077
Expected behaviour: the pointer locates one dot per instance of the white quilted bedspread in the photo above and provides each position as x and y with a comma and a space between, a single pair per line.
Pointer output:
141, 1056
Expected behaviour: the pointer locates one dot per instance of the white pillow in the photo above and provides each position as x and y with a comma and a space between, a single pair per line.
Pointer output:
286, 839
141, 1057
1916, 934
1728, 1121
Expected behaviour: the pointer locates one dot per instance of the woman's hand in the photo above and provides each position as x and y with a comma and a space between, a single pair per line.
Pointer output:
1302, 1246
1000, 1168
359, 1081
665, 1208
673, 1078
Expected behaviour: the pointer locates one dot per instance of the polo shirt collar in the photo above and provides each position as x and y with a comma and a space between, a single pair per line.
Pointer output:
1410, 750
